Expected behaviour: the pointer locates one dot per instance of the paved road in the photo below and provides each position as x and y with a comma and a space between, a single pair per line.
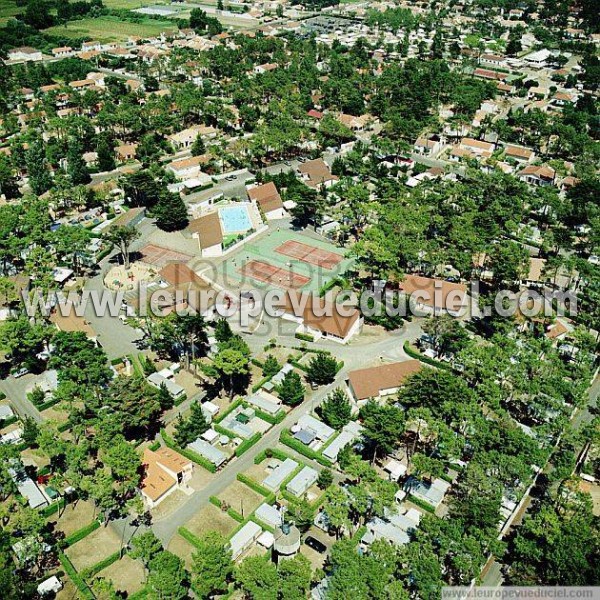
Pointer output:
117, 338
16, 392
166, 528
388, 348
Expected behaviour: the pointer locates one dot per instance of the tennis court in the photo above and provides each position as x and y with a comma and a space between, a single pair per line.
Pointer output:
267, 273
310, 254
308, 274
158, 256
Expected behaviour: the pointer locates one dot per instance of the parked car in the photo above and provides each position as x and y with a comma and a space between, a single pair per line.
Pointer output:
315, 544
20, 372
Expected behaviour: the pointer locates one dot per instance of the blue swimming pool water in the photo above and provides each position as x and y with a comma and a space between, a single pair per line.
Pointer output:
235, 219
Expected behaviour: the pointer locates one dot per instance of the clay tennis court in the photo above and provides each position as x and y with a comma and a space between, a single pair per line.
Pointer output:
267, 273
159, 257
309, 254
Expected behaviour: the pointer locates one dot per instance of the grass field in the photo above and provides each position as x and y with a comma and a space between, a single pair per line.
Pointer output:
126, 574
110, 29
131, 4
8, 9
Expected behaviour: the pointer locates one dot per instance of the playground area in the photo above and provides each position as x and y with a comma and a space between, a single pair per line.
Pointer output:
121, 278
285, 259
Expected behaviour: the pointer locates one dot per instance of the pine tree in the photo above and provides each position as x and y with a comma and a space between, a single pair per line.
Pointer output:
165, 398
325, 479
291, 390
336, 410
37, 168
182, 432
198, 422
171, 212
198, 147
271, 366
322, 369
106, 155
76, 167
223, 330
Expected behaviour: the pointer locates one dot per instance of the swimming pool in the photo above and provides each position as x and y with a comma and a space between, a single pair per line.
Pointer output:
235, 219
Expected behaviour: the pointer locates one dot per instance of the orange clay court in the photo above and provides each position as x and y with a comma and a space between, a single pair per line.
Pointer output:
309, 254
158, 256
268, 273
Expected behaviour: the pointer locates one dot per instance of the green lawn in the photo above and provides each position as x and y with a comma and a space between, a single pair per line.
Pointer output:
110, 29
8, 9
131, 4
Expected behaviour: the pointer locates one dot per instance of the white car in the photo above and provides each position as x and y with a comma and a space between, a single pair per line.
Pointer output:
20, 372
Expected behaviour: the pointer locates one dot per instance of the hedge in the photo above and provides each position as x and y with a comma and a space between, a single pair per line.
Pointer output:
420, 503
296, 364
189, 536
9, 421
247, 444
273, 420
79, 583
93, 570
154, 446
305, 337
231, 408
48, 404
253, 485
262, 524
189, 454
234, 514
262, 382
139, 595
214, 500
287, 439
80, 534
220, 429
270, 453
425, 359
50, 510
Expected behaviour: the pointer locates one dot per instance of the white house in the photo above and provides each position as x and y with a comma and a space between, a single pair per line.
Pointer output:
24, 53
268, 200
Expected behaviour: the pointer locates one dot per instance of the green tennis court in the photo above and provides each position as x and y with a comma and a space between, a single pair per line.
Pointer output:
267, 250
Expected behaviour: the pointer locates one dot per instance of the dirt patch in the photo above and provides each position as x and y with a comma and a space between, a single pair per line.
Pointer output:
74, 517
69, 591
258, 472
201, 478
211, 518
191, 385
169, 505
126, 574
241, 498
56, 413
34, 457
93, 548
182, 548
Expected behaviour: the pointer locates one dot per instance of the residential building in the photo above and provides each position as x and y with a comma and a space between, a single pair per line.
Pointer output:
244, 538
207, 230
300, 484
268, 200
165, 472
381, 380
